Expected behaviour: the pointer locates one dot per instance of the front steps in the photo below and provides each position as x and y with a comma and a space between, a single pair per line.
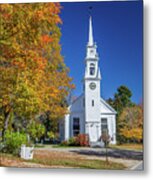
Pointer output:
97, 144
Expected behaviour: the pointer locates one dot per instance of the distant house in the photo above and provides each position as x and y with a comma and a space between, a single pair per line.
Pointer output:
89, 113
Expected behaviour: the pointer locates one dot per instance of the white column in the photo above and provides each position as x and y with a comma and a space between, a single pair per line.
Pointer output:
67, 127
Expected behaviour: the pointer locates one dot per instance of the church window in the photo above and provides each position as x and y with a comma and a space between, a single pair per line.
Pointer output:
92, 51
76, 126
92, 69
104, 125
92, 102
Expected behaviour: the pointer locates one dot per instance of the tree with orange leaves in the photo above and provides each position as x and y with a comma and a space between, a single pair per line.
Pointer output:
33, 78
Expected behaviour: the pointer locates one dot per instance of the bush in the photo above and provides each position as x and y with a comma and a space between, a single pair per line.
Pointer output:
1, 147
73, 141
35, 130
64, 143
83, 140
13, 142
80, 140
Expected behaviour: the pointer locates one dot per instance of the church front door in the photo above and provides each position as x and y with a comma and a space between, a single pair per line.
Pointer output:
93, 136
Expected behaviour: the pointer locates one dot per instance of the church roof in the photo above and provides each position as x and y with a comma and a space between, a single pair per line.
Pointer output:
105, 107
77, 98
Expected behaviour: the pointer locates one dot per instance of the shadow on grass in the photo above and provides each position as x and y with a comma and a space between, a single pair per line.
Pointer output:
115, 153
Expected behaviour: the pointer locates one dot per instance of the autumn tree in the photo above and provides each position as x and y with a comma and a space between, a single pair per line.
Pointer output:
33, 78
130, 124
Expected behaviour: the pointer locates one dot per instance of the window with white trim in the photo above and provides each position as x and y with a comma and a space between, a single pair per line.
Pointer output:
104, 125
76, 126
92, 103
92, 69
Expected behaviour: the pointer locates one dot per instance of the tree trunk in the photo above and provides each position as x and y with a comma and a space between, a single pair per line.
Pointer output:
106, 153
6, 121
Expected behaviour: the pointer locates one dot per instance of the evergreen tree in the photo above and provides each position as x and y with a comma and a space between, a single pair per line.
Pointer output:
121, 100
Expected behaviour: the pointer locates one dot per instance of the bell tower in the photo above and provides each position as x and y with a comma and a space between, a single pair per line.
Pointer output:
92, 79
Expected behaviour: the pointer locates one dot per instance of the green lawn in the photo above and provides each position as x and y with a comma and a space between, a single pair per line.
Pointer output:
81, 163
54, 146
56, 160
136, 147
67, 159
64, 146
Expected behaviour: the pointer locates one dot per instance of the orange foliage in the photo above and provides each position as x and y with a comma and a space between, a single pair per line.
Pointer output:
30, 59
131, 123
46, 39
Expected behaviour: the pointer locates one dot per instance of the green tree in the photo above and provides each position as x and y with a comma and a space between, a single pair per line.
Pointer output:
35, 130
121, 100
51, 125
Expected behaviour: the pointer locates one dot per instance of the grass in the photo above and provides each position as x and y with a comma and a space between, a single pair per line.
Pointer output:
136, 147
10, 156
7, 159
81, 163
64, 159
60, 160
54, 146
39, 146
64, 146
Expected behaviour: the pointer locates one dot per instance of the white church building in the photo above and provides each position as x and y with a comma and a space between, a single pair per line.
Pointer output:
89, 113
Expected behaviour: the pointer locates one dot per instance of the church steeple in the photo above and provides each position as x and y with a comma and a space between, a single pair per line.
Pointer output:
90, 41
91, 84
92, 69
91, 45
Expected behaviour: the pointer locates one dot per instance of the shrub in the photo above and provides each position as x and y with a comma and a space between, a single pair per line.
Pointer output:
83, 140
80, 140
35, 130
64, 143
1, 146
73, 141
13, 142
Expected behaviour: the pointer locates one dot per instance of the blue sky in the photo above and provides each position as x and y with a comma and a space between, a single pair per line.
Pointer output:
117, 28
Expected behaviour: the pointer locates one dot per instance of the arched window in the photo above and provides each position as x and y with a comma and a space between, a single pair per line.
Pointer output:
92, 69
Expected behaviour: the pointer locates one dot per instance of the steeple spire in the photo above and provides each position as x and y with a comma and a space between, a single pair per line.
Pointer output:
90, 41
